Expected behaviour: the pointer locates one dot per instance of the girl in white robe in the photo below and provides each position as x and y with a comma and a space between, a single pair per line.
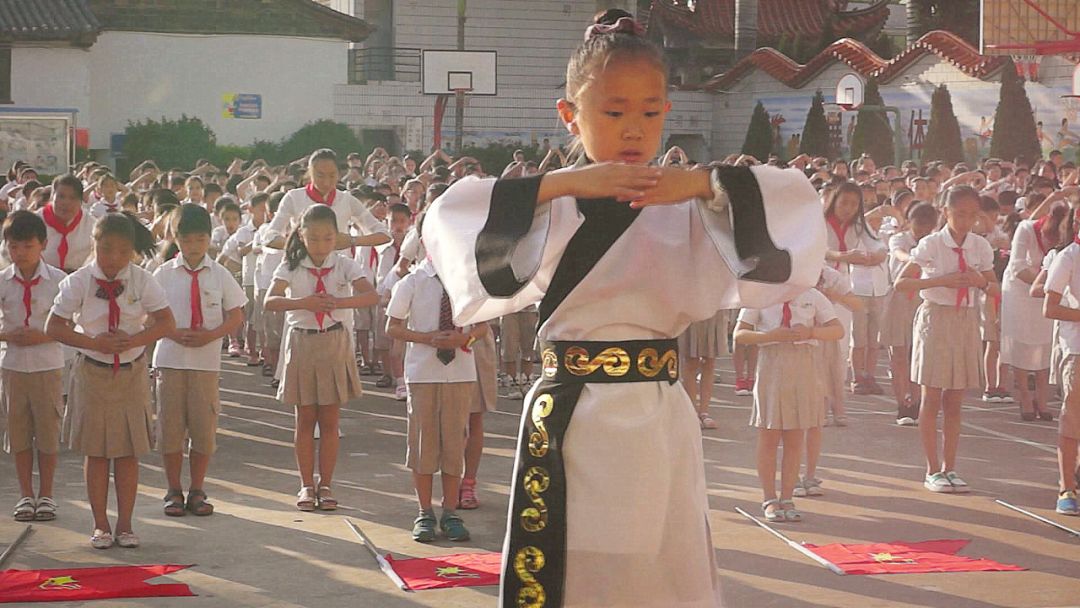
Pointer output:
610, 509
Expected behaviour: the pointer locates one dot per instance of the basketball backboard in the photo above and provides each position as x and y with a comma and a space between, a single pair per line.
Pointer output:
445, 72
1029, 27
849, 91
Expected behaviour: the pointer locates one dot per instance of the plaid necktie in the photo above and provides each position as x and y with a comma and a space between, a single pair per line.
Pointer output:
446, 323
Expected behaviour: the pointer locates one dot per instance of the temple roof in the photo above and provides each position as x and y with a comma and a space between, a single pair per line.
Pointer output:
716, 18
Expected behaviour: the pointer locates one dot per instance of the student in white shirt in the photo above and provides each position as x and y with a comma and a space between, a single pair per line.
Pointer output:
207, 305
267, 261
103, 310
242, 244
322, 189
788, 397
230, 223
107, 197
440, 373
317, 287
1063, 305
69, 229
947, 266
32, 364
389, 352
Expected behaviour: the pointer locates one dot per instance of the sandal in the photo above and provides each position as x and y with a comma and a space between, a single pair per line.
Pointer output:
706, 421
46, 509
24, 509
467, 495
790, 512
776, 515
101, 539
196, 503
327, 502
174, 503
305, 499
127, 540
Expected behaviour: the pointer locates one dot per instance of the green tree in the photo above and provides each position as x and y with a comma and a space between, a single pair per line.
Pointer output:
960, 17
319, 134
873, 135
169, 143
1014, 121
943, 136
759, 136
815, 135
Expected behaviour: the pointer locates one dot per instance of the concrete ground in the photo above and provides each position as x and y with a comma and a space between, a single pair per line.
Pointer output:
257, 550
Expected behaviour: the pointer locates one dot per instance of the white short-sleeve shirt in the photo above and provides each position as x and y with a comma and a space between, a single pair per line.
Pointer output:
810, 309
870, 280
935, 256
1064, 278
40, 357
81, 301
267, 258
244, 236
338, 282
417, 299
901, 241
80, 243
219, 293
347, 208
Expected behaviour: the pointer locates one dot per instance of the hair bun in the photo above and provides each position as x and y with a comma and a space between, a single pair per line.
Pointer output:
614, 21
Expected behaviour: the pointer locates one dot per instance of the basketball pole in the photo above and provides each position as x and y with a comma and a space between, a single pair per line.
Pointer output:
459, 96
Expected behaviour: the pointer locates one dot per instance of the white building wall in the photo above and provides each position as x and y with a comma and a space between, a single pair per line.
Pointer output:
534, 40
46, 77
136, 75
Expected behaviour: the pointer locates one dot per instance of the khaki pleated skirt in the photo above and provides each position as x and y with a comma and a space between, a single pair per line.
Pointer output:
832, 369
111, 415
320, 369
899, 317
947, 348
788, 388
706, 339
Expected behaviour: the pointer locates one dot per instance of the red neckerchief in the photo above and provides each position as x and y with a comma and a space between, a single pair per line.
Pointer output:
27, 286
314, 195
320, 287
840, 230
785, 316
196, 297
373, 259
963, 294
112, 290
54, 222
1039, 224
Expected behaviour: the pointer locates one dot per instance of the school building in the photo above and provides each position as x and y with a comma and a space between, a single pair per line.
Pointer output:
250, 69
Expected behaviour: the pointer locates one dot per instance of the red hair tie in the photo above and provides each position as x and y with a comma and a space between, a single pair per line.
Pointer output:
625, 25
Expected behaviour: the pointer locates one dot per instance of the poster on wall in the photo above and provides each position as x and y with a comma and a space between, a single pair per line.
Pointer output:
242, 106
414, 133
42, 141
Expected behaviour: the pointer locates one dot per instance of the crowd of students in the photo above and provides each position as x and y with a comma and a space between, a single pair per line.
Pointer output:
328, 264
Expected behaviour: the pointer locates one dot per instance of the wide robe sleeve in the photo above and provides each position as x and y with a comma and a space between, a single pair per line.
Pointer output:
493, 247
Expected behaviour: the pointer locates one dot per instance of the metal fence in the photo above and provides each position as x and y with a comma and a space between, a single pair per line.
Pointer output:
384, 63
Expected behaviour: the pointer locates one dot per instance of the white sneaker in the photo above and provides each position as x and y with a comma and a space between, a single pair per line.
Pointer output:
959, 486
905, 421
800, 490
938, 483
401, 393
504, 380
812, 487
515, 392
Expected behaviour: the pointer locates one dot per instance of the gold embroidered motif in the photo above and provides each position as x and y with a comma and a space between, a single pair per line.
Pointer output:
615, 361
527, 562
549, 363
538, 439
650, 363
535, 482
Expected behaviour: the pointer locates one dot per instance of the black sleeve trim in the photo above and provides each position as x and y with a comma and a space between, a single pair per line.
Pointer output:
513, 206
751, 232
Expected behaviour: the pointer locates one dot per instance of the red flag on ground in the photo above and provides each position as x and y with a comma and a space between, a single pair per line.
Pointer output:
461, 570
907, 558
77, 584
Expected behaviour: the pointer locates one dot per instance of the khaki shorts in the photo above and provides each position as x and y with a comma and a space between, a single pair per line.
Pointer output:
273, 322
518, 334
364, 319
381, 341
1069, 422
253, 310
438, 423
33, 406
188, 406
866, 324
487, 384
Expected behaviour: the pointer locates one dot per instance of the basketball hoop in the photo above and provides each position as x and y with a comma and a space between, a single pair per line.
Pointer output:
462, 93
1027, 66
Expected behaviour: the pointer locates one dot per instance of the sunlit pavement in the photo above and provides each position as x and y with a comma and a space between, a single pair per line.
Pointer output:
257, 550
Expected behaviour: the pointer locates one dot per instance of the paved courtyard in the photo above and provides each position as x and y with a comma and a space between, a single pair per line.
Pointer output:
258, 551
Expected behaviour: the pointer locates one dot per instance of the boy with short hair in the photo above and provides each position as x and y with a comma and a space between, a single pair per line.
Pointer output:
32, 364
